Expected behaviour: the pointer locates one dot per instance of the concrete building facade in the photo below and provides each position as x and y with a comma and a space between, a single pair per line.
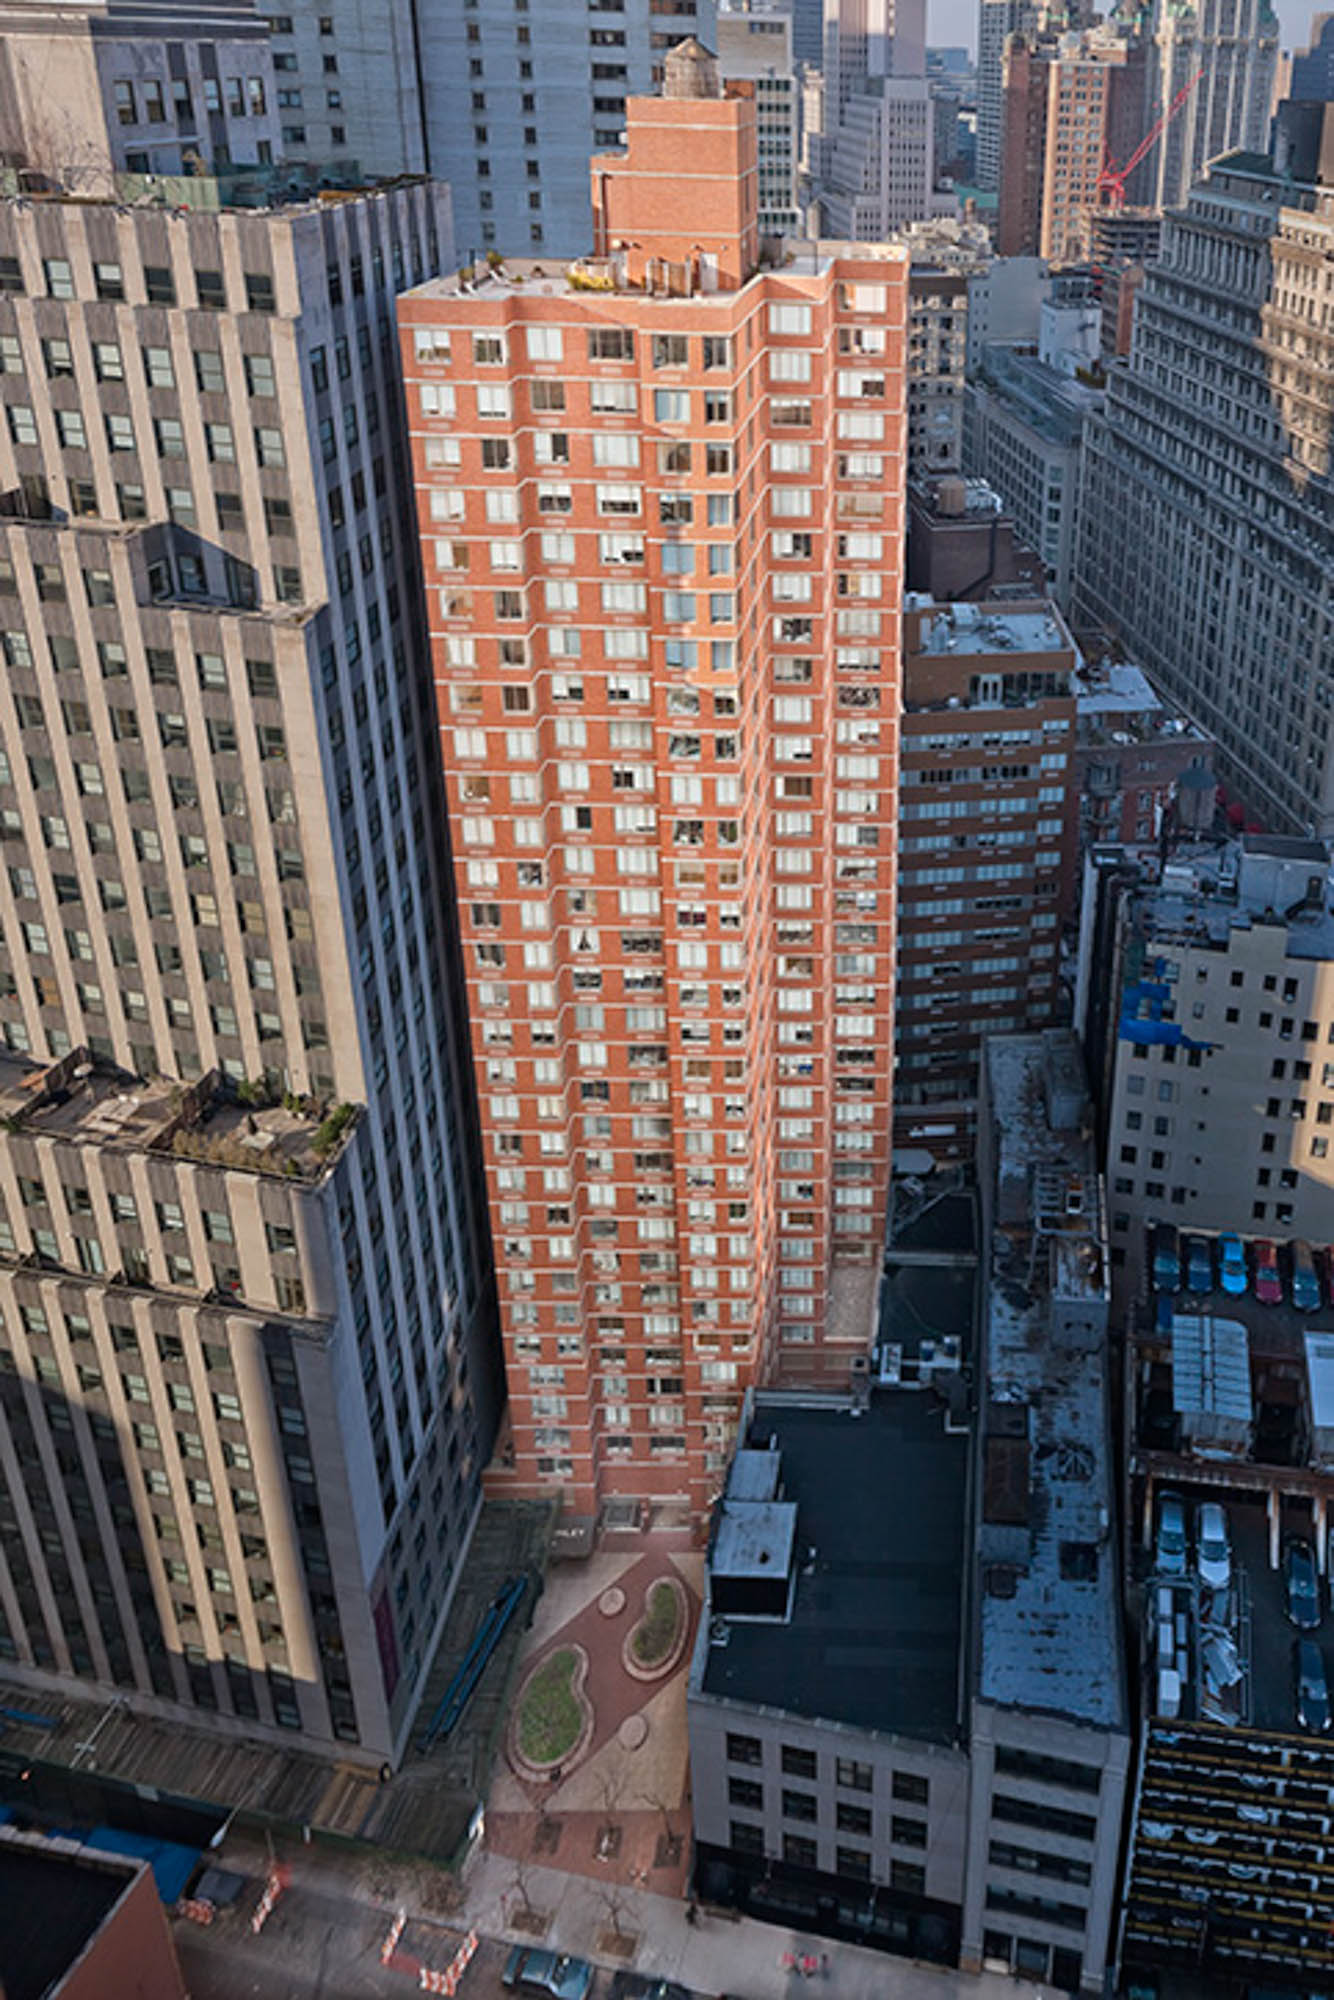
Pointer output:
1218, 1106
1206, 548
1231, 47
755, 42
508, 111
248, 1384
1023, 423
830, 1788
1049, 1724
937, 338
90, 92
877, 1755
876, 166
660, 505
997, 20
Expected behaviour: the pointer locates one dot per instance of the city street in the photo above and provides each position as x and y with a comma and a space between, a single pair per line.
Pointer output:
324, 1937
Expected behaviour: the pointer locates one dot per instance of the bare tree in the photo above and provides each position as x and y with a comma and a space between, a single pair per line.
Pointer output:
611, 1895
611, 1793
522, 1879
670, 1841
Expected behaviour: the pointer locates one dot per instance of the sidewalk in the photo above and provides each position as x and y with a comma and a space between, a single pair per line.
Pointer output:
716, 1955
741, 1958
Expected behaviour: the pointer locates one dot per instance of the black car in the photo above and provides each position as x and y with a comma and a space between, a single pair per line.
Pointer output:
643, 1986
1312, 1689
1301, 1586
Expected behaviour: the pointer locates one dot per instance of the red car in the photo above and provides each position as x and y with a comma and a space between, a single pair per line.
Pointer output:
1268, 1283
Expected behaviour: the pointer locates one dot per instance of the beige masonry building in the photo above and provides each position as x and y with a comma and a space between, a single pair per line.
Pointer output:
246, 1392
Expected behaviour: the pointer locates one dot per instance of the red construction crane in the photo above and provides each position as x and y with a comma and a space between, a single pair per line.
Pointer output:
1112, 180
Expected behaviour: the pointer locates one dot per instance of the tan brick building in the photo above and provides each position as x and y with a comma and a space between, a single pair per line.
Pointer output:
245, 1388
988, 825
661, 504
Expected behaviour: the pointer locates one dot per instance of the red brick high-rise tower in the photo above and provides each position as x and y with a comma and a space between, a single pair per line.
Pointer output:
661, 506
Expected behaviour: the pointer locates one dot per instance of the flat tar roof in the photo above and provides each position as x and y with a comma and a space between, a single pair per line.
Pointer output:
53, 1904
874, 1635
1051, 1639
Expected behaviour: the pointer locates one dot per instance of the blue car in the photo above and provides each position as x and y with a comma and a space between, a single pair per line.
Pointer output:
1166, 1258
1232, 1265
1305, 1280
549, 1972
1199, 1264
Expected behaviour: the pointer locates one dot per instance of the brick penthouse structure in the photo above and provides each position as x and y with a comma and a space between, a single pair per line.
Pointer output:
661, 499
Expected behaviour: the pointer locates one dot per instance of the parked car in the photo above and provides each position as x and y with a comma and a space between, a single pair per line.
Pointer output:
1301, 1585
1231, 1265
548, 1972
1166, 1258
1169, 1553
1305, 1282
1308, 1670
1268, 1283
1199, 1264
645, 1986
1213, 1550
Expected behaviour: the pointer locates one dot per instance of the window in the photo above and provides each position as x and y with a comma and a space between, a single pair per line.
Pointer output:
611, 343
851, 1775
798, 1763
790, 319
853, 1819
800, 1852
211, 291
912, 1789
259, 374
800, 1805
908, 1832
744, 1749
1045, 1770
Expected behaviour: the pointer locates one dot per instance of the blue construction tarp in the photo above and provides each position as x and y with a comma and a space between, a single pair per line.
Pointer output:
171, 1863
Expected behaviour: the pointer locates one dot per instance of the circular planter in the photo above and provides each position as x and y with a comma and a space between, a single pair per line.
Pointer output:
612, 1601
655, 1634
552, 1719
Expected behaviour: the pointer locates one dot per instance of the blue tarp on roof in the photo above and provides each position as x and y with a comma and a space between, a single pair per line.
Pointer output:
171, 1863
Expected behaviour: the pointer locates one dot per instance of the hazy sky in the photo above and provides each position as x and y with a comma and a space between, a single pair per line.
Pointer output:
955, 21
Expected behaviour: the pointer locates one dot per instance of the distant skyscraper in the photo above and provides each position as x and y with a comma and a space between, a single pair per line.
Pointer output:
247, 1387
997, 20
808, 32
865, 39
1067, 102
877, 156
1231, 46
507, 106
1206, 545
1313, 67
755, 42
666, 629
